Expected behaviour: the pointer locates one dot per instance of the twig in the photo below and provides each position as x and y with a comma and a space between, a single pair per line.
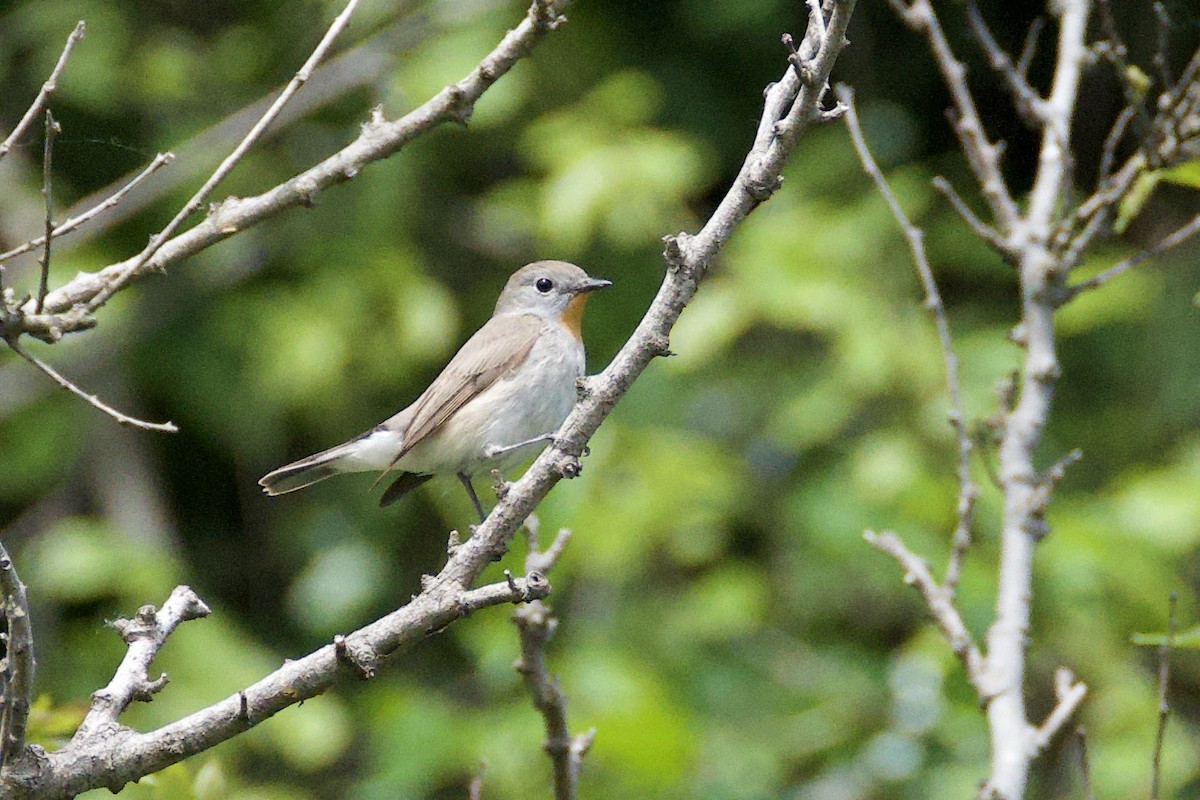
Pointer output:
1029, 49
982, 155
18, 660
48, 89
124, 419
984, 231
144, 635
1164, 707
1162, 41
1027, 102
537, 560
968, 491
1070, 694
537, 626
1085, 767
940, 605
379, 139
1112, 141
475, 789
52, 128
226, 166
162, 159
1168, 242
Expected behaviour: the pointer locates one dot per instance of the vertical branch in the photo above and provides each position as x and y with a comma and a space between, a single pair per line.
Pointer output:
1164, 707
1025, 491
536, 625
967, 490
52, 129
18, 663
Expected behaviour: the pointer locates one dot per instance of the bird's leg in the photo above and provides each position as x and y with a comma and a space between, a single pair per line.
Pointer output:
466, 482
492, 451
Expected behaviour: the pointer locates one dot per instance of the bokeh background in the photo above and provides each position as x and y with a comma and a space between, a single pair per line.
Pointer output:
723, 625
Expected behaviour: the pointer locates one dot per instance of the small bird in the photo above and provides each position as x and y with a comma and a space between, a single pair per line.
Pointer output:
505, 393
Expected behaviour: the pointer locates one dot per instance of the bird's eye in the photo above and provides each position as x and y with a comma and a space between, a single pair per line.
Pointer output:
544, 285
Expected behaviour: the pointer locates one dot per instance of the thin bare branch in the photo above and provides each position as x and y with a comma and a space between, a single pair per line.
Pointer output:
1029, 49
984, 231
144, 635
379, 139
1162, 43
123, 419
48, 88
982, 155
1085, 767
1168, 242
537, 625
52, 129
1164, 706
1028, 103
18, 663
161, 160
939, 603
1070, 694
537, 560
201, 196
968, 491
1112, 141
475, 789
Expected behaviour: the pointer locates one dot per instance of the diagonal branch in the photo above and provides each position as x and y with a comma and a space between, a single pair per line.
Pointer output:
104, 753
48, 88
144, 635
982, 155
52, 129
379, 139
93, 400
226, 166
1028, 103
940, 604
18, 663
161, 160
1174, 239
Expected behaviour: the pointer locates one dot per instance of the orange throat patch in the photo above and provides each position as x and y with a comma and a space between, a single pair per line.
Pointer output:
572, 316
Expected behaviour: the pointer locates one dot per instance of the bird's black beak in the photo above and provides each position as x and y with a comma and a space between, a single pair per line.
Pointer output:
591, 285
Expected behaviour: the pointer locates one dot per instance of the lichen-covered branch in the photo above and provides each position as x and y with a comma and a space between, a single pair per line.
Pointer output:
537, 625
18, 663
103, 753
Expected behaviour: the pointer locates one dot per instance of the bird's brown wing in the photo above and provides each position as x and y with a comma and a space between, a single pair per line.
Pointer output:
497, 348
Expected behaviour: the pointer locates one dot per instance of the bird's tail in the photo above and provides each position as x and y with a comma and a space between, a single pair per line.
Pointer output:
306, 471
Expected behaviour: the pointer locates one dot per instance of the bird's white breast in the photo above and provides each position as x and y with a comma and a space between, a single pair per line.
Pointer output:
532, 400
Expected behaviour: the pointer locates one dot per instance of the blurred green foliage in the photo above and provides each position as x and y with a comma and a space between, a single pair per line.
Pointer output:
723, 625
